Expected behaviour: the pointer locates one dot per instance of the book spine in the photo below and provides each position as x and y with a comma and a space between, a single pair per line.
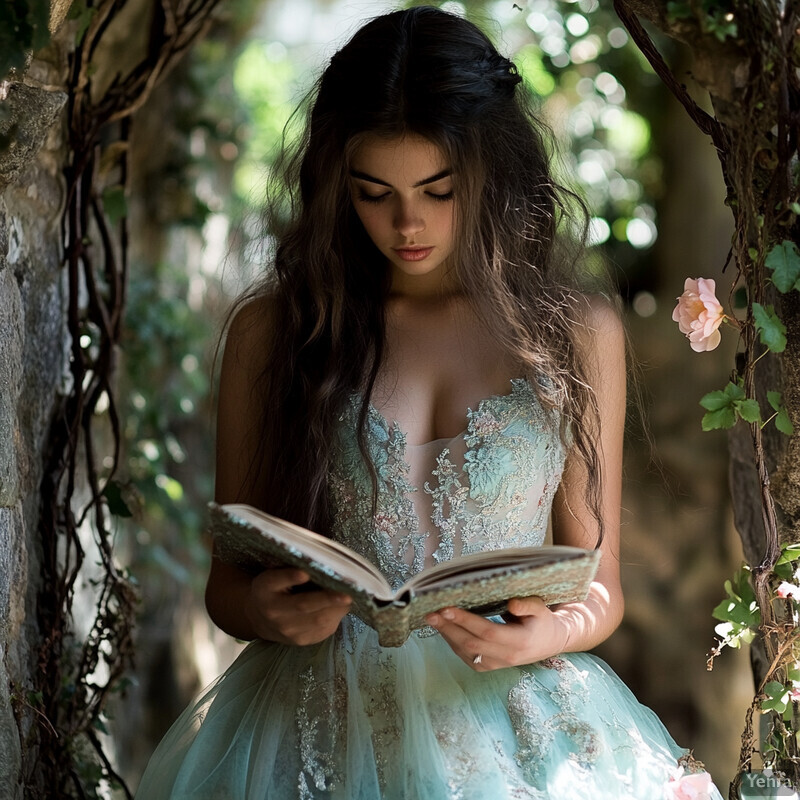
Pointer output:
391, 623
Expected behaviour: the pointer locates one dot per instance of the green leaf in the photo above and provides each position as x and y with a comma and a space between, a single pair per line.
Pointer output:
793, 674
115, 204
724, 405
100, 725
734, 391
716, 420
783, 571
783, 423
716, 400
678, 10
722, 610
35, 698
744, 589
23, 27
775, 704
784, 261
789, 553
748, 410
774, 689
116, 505
771, 330
722, 32
777, 697
739, 608
84, 15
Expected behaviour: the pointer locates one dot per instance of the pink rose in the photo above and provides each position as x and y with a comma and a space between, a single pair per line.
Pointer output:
794, 695
699, 314
787, 589
696, 786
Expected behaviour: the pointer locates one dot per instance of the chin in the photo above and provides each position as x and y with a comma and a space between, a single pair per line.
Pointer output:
417, 268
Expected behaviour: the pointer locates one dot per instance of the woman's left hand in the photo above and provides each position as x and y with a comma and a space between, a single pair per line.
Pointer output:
531, 633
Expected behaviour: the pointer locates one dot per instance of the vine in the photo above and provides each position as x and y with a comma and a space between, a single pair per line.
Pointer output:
756, 137
64, 754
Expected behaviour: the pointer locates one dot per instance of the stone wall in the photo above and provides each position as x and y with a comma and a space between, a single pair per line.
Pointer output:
32, 363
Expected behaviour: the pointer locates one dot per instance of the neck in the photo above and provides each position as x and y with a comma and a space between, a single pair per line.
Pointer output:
432, 287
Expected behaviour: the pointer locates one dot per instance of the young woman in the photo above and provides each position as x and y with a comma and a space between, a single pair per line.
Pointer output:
418, 380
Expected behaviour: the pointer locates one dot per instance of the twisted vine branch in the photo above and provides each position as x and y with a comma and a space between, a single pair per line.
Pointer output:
76, 679
756, 142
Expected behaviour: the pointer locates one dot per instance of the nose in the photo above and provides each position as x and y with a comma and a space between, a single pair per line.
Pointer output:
408, 219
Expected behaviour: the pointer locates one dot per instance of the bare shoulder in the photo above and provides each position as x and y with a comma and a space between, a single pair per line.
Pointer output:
599, 315
250, 332
599, 330
239, 407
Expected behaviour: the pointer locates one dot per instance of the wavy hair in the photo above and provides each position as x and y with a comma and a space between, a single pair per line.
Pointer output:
428, 73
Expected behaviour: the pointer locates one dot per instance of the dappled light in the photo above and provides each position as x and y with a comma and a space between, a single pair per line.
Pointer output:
137, 205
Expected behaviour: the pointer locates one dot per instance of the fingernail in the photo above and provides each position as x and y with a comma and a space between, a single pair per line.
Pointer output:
433, 620
448, 613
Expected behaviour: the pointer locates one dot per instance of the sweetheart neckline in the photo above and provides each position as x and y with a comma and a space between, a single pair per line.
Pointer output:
464, 431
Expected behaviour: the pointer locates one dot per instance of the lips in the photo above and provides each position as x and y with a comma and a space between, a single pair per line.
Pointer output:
413, 253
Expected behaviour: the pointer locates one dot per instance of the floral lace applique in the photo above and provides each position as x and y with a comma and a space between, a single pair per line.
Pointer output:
534, 738
318, 765
377, 675
500, 496
454, 736
385, 538
536, 734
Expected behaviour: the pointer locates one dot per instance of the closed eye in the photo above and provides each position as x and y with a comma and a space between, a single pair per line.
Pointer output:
442, 197
372, 198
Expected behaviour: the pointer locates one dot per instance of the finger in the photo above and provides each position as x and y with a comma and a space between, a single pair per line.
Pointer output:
315, 602
469, 634
281, 579
473, 652
472, 624
310, 629
527, 606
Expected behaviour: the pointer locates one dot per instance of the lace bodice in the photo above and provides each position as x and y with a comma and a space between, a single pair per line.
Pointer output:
489, 487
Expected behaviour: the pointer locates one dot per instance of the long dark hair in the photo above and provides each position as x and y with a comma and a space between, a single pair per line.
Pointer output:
432, 74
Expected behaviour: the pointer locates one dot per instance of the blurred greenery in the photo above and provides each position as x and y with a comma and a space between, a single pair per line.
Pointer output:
235, 95
23, 27
163, 389
201, 235
171, 324
594, 87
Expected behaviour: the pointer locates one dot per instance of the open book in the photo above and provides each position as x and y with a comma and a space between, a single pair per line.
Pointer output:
481, 582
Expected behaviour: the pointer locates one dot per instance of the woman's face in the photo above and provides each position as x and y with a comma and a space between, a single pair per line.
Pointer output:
402, 191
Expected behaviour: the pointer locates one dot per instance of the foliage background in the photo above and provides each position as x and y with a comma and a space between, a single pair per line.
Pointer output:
201, 151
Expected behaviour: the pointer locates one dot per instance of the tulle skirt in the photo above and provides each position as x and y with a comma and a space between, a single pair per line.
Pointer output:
350, 720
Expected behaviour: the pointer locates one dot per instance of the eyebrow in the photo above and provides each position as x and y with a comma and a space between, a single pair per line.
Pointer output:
354, 173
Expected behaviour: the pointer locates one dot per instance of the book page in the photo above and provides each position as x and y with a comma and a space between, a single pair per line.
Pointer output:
325, 553
476, 565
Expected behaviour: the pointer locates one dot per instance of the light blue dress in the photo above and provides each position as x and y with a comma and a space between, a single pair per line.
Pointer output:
350, 720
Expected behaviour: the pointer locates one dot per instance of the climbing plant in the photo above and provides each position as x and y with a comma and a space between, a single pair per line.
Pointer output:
63, 752
746, 55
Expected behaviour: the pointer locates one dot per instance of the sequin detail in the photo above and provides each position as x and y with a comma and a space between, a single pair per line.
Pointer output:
497, 495
318, 766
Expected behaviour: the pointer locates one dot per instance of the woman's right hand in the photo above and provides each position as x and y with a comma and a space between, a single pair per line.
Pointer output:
279, 615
